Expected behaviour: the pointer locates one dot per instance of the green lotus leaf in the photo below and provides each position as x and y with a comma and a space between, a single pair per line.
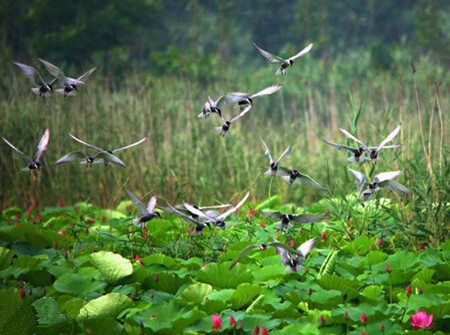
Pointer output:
218, 275
195, 293
48, 311
372, 292
243, 294
107, 306
72, 307
78, 285
5, 257
113, 266
16, 313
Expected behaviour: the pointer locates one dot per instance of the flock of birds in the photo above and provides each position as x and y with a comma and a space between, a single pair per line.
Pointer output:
216, 217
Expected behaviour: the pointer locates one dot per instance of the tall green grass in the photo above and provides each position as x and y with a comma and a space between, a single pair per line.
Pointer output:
185, 159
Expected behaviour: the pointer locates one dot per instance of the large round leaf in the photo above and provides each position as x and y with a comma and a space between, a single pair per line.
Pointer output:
113, 266
218, 274
107, 306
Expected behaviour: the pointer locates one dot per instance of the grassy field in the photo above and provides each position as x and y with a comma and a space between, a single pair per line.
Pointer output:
185, 159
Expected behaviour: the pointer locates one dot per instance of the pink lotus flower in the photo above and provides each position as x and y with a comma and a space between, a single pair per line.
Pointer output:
216, 323
421, 320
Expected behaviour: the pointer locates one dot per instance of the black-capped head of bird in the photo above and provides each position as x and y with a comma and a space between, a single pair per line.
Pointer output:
286, 218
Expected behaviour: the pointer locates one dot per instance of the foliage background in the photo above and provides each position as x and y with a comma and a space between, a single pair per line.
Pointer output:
159, 60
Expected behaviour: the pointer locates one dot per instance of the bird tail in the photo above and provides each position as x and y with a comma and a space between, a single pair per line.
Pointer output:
281, 72
202, 115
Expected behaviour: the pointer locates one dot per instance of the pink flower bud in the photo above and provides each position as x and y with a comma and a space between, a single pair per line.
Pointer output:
65, 254
382, 327
262, 224
306, 270
22, 292
408, 290
156, 278
256, 330
388, 268
62, 232
232, 321
216, 323
322, 320
309, 291
380, 242
420, 290
38, 217
30, 291
364, 318
240, 325
264, 331
421, 246
20, 283
346, 316
323, 236
55, 244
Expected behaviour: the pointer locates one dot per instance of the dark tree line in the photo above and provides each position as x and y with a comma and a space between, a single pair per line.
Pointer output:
123, 31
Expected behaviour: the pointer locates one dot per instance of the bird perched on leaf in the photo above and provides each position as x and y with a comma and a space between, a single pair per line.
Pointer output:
382, 180
225, 129
198, 225
373, 151
294, 177
145, 213
43, 88
218, 221
294, 263
285, 220
273, 168
284, 63
69, 85
33, 164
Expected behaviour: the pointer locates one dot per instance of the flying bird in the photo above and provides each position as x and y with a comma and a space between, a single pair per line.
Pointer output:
198, 225
283, 250
374, 150
219, 221
284, 63
273, 168
102, 157
213, 211
293, 176
211, 106
287, 219
69, 85
357, 152
146, 213
43, 88
294, 263
244, 99
381, 180
225, 129
33, 164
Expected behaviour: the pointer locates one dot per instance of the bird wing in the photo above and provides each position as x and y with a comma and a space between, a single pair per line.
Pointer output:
87, 74
311, 182
242, 254
129, 146
215, 207
307, 218
272, 215
394, 186
87, 144
346, 133
137, 202
31, 73
233, 98
54, 70
42, 146
25, 157
303, 52
360, 177
284, 171
392, 146
272, 58
341, 147
110, 159
198, 212
182, 215
152, 204
306, 247
226, 214
383, 176
267, 91
70, 157
245, 111
286, 152
390, 137
267, 152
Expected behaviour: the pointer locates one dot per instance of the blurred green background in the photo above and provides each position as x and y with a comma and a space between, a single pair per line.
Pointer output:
159, 60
